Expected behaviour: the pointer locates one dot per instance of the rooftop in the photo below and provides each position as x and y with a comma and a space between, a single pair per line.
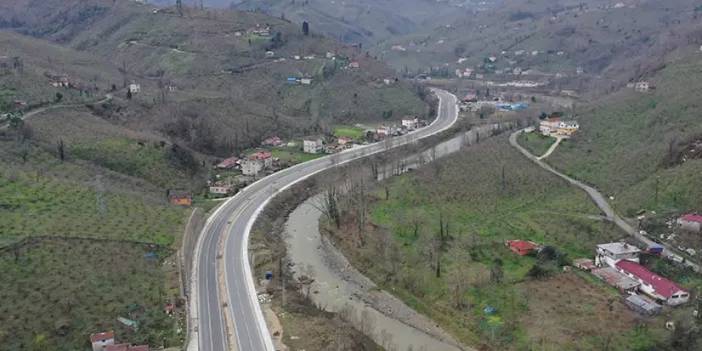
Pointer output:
692, 218
661, 285
102, 336
615, 278
619, 248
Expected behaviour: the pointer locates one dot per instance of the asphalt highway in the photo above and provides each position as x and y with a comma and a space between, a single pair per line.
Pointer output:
222, 258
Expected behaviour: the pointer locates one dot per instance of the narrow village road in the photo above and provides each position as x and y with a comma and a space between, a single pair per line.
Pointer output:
551, 149
41, 110
599, 200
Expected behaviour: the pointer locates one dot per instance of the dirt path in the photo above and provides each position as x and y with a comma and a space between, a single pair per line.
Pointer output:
551, 149
338, 287
41, 110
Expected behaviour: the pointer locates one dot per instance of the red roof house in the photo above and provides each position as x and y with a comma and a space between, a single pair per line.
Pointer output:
692, 218
521, 247
691, 222
227, 163
653, 284
100, 341
273, 141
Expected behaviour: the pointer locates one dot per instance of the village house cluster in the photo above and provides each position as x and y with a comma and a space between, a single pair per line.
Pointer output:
618, 265
256, 163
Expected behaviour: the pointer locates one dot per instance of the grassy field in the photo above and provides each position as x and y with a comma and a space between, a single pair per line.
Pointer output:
149, 161
293, 155
66, 282
348, 132
630, 141
536, 143
43, 206
479, 210
57, 292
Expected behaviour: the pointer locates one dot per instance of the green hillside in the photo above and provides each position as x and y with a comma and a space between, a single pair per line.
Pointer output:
363, 21
619, 42
209, 68
630, 141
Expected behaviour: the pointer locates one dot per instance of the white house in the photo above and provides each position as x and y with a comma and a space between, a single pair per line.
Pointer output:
221, 188
382, 131
313, 145
557, 128
653, 285
100, 341
251, 167
257, 162
306, 81
410, 123
642, 86
691, 222
611, 253
134, 88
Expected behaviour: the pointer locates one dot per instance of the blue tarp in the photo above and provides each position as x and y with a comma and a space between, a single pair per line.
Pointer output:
489, 310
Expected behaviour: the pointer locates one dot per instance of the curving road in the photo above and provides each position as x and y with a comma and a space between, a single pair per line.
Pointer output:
231, 318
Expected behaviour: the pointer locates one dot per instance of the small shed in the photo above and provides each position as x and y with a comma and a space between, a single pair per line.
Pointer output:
521, 247
618, 280
585, 264
180, 198
643, 305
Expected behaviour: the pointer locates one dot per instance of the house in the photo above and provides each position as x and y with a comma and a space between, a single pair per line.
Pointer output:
256, 162
344, 140
292, 80
354, 65
470, 97
306, 81
382, 131
690, 222
134, 88
642, 86
100, 341
549, 126
611, 253
556, 128
585, 264
273, 141
180, 198
398, 48
330, 55
616, 279
643, 305
221, 188
127, 347
228, 163
521, 247
567, 129
60, 81
653, 285
410, 123
270, 54
313, 145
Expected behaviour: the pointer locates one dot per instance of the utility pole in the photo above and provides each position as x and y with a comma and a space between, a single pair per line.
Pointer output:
282, 280
658, 179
